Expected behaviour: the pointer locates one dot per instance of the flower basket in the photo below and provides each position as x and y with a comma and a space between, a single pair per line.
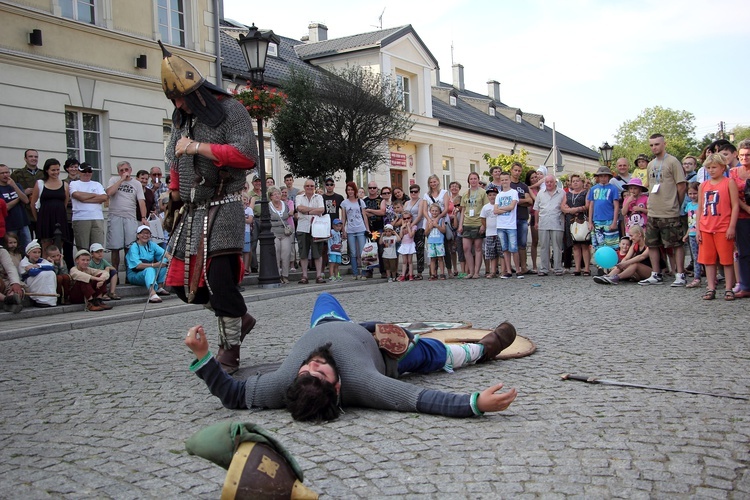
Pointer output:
260, 102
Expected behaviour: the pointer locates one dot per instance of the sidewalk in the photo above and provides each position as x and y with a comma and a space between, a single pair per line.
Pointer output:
32, 321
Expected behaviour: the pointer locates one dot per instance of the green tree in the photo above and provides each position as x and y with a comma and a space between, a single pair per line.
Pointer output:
740, 132
342, 121
676, 126
505, 161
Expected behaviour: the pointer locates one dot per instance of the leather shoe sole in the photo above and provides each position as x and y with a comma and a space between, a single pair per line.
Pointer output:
248, 323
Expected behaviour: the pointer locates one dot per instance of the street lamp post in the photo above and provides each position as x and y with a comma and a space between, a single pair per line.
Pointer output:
254, 47
606, 152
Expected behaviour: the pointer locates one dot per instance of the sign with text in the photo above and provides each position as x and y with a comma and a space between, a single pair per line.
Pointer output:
398, 159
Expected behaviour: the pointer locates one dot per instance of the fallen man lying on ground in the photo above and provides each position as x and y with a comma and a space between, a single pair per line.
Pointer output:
338, 363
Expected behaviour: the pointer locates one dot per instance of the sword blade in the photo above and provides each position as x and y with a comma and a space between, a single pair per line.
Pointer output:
594, 380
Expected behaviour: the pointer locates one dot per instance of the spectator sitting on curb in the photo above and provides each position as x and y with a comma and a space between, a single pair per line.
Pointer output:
11, 288
61, 272
144, 260
89, 284
39, 275
99, 262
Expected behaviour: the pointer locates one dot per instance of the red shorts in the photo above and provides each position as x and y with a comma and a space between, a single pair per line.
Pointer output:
713, 245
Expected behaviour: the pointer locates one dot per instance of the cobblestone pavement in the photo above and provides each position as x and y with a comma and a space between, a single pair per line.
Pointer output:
85, 415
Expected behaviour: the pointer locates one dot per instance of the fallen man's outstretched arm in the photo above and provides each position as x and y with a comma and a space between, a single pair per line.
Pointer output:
489, 400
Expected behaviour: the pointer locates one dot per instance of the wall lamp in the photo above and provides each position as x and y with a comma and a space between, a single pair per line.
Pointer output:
35, 38
141, 62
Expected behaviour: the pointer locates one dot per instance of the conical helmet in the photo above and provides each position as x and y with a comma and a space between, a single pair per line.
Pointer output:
178, 77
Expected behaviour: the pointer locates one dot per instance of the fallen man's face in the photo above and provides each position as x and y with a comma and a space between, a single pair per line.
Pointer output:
319, 368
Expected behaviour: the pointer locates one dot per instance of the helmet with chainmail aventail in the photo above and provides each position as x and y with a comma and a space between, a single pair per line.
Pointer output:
179, 78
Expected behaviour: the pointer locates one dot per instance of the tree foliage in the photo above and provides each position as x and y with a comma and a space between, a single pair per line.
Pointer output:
505, 161
676, 126
342, 121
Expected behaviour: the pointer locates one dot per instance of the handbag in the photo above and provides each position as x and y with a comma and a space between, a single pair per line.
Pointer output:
157, 229
579, 230
320, 228
370, 254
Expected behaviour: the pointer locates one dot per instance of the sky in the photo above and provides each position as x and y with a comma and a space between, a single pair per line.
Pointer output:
586, 65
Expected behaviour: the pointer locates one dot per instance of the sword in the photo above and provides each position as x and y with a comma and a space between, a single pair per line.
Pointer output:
594, 380
158, 270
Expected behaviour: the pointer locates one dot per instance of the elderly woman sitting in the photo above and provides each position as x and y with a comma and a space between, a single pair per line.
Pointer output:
147, 264
39, 275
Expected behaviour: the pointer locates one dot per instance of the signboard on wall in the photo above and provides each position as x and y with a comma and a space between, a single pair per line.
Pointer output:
398, 159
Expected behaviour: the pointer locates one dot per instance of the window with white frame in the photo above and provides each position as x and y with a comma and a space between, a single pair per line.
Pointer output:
273, 50
453, 100
83, 139
473, 166
518, 117
404, 91
491, 110
447, 168
80, 10
541, 124
171, 15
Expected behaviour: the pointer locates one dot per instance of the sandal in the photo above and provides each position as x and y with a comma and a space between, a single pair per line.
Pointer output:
586, 273
489, 276
442, 277
432, 278
577, 273
155, 299
114, 296
729, 295
693, 284
709, 295
320, 279
303, 281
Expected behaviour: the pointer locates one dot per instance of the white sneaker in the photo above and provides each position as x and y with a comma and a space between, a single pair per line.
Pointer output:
679, 280
654, 279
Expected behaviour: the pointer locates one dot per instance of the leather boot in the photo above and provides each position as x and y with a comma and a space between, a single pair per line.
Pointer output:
497, 340
229, 359
248, 322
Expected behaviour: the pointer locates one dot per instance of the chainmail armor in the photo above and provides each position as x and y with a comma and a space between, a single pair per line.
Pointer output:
200, 173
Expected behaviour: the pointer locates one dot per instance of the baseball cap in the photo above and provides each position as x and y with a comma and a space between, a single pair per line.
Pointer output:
336, 221
85, 168
95, 247
388, 226
143, 227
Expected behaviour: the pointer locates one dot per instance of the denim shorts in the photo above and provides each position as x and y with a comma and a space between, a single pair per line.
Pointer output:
508, 240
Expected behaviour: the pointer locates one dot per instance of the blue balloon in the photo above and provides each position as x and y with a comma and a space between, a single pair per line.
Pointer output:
605, 257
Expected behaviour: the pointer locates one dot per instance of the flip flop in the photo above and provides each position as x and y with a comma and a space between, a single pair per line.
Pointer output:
155, 299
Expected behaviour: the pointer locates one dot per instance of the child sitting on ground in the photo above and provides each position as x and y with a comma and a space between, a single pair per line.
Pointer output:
89, 284
334, 251
390, 257
98, 262
407, 248
718, 209
435, 231
61, 271
39, 276
11, 245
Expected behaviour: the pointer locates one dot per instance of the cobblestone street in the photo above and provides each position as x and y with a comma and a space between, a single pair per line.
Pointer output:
85, 415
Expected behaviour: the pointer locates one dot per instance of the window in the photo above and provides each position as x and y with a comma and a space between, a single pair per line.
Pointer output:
172, 21
453, 100
473, 166
541, 124
80, 10
518, 117
491, 110
447, 162
404, 91
273, 50
83, 139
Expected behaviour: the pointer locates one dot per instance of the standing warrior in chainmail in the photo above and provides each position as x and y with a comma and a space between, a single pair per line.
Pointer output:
211, 148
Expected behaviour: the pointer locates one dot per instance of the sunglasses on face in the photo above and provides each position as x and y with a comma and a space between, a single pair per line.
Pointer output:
385, 192
329, 183
413, 192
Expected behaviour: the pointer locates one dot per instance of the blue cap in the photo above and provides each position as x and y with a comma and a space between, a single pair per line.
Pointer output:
336, 221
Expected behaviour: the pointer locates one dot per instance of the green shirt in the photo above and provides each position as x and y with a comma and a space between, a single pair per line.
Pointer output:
471, 205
